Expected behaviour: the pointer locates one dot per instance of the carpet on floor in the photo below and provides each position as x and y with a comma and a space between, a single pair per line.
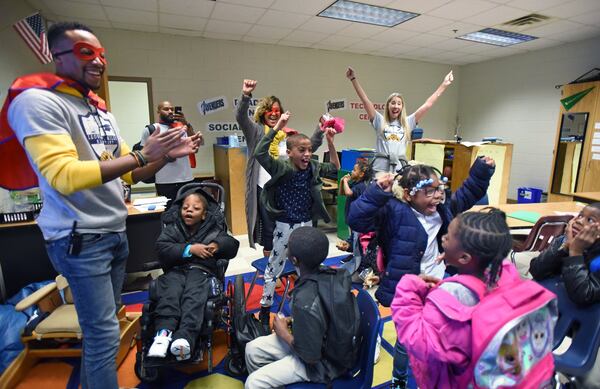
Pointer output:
64, 373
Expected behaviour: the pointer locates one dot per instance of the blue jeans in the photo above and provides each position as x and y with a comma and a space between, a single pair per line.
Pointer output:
352, 265
400, 369
96, 278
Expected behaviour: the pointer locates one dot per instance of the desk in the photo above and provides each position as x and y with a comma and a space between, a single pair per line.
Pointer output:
23, 258
544, 209
329, 185
587, 197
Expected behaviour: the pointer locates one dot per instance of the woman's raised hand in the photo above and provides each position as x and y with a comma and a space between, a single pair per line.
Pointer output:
248, 86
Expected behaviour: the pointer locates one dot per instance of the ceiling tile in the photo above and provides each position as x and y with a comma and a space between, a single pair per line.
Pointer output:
282, 19
202, 8
95, 23
394, 35
217, 35
135, 27
368, 44
591, 18
394, 49
362, 30
424, 51
123, 15
305, 36
460, 27
474, 48
379, 3
580, 33
144, 5
307, 7
425, 39
573, 8
425, 23
451, 44
540, 43
68, 10
260, 39
326, 25
534, 5
237, 13
285, 42
498, 15
182, 22
338, 41
553, 27
418, 6
498, 51
178, 31
250, 3
219, 26
461, 9
268, 32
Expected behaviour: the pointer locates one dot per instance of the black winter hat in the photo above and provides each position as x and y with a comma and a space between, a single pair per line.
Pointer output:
309, 245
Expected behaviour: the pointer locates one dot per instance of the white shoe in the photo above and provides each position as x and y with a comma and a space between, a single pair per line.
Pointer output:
181, 349
378, 349
159, 346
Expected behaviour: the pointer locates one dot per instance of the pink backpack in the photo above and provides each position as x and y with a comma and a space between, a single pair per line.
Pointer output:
512, 327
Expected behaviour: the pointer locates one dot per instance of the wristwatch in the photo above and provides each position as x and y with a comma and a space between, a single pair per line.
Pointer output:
168, 158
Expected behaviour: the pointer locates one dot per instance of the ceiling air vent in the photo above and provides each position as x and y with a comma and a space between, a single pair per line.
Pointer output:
525, 22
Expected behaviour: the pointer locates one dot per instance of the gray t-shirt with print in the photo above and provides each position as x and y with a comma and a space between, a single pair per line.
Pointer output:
101, 209
392, 140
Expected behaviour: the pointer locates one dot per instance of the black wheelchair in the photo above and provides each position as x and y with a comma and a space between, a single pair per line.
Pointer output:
218, 311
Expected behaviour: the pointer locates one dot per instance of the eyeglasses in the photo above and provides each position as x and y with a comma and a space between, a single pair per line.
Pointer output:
273, 112
430, 191
85, 52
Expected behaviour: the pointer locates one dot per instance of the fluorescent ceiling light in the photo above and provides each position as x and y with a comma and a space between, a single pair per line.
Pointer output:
365, 13
492, 36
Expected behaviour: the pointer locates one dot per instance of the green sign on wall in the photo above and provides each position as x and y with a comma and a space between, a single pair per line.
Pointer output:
569, 102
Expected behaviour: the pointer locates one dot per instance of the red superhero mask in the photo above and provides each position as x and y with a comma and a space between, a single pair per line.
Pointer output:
273, 112
85, 52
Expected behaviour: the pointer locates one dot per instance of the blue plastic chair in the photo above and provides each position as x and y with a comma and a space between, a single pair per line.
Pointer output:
362, 376
581, 355
261, 265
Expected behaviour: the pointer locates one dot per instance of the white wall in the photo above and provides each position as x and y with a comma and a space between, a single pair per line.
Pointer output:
185, 70
514, 98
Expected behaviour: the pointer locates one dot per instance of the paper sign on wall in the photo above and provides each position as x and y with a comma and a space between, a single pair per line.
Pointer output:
596, 141
595, 149
596, 157
597, 126
212, 105
335, 104
596, 134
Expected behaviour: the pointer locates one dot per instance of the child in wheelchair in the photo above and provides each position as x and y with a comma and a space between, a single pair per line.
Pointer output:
188, 249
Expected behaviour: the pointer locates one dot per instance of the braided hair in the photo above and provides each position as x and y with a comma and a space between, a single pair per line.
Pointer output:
486, 236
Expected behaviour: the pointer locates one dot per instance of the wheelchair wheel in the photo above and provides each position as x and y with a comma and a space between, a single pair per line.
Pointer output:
239, 297
234, 366
145, 374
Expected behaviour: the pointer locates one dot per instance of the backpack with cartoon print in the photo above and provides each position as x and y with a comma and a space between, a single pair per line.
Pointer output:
512, 332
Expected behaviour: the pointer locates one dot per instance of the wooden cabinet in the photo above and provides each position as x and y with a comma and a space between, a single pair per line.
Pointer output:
576, 159
230, 170
455, 159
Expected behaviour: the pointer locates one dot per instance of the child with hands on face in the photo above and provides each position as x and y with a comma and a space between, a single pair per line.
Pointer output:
410, 217
575, 256
188, 250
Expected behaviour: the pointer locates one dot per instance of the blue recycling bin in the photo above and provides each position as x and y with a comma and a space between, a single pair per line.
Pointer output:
529, 195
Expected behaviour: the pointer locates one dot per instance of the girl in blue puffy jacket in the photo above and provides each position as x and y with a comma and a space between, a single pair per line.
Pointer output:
410, 216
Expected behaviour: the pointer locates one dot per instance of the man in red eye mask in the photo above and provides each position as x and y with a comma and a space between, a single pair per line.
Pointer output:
60, 136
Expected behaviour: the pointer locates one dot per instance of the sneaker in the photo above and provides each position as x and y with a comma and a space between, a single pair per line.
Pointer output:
265, 316
159, 346
181, 349
398, 384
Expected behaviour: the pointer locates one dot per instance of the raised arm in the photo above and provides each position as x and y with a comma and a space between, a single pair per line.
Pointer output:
369, 108
433, 98
333, 156
261, 153
251, 130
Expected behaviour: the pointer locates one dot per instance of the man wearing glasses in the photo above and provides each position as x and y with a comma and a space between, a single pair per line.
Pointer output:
73, 146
